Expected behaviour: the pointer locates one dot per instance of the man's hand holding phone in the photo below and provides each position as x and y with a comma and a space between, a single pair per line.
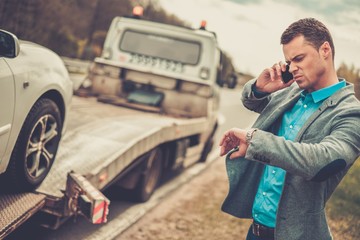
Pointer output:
274, 78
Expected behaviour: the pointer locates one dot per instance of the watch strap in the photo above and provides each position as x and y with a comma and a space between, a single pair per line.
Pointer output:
249, 135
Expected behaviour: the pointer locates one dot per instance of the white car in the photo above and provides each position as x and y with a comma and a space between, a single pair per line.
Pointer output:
35, 94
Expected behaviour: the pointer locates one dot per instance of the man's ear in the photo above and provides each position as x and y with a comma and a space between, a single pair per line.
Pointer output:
325, 50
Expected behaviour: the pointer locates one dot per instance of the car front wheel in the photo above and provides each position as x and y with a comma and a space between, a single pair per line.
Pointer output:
36, 146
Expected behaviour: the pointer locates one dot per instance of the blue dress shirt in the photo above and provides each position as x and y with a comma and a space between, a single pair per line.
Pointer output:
271, 184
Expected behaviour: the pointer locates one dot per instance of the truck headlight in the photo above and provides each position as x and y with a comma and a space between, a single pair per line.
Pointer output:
204, 73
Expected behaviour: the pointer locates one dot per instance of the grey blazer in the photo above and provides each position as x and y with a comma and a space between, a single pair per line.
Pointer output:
323, 151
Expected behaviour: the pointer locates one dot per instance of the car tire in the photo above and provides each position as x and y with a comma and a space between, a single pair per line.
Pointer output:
150, 179
36, 146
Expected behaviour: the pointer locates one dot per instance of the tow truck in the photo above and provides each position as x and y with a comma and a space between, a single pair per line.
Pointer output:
148, 106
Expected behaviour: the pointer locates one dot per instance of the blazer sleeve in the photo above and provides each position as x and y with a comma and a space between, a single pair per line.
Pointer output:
250, 101
316, 156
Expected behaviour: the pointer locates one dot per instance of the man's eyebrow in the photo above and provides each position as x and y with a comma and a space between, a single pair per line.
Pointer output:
297, 56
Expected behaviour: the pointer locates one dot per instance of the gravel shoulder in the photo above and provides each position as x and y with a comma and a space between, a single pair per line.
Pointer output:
192, 212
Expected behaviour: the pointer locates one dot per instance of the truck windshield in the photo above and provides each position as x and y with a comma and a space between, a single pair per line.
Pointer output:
162, 47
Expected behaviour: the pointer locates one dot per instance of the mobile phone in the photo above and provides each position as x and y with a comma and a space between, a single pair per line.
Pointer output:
286, 76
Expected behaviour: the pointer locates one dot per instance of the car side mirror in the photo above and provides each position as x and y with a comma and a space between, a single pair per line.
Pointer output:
9, 45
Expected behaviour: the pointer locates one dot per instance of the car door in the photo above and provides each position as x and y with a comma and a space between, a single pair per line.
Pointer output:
7, 96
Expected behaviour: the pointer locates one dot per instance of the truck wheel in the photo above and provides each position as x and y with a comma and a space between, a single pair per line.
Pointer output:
150, 178
36, 146
207, 149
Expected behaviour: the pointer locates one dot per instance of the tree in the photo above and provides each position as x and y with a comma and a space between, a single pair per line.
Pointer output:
75, 28
351, 74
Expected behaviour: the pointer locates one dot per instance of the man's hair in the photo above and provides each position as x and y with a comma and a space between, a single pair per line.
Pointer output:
314, 32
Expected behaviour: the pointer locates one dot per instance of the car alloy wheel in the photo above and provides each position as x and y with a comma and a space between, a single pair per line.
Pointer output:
36, 147
42, 146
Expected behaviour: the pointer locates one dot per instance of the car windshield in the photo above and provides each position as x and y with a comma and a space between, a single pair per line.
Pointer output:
163, 47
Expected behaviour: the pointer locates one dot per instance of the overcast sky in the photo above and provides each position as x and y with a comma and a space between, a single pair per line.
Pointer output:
249, 30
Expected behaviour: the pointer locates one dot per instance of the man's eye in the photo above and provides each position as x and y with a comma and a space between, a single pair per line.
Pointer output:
298, 59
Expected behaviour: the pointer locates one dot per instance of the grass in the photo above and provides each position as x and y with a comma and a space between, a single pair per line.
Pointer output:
343, 208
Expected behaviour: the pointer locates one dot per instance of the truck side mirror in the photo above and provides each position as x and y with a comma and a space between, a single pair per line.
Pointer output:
220, 82
9, 45
232, 81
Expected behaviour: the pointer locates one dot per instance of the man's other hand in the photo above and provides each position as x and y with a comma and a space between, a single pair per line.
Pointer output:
232, 138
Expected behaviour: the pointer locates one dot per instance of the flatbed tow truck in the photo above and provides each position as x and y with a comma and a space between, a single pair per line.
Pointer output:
137, 116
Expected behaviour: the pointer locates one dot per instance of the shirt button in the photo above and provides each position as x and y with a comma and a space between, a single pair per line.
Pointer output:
273, 171
256, 215
291, 126
305, 106
264, 193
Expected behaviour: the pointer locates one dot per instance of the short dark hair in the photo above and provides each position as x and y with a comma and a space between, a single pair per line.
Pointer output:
314, 32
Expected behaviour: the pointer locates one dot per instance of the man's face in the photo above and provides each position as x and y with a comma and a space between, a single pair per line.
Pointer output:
306, 64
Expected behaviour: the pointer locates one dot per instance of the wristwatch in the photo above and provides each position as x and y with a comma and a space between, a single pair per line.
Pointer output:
249, 135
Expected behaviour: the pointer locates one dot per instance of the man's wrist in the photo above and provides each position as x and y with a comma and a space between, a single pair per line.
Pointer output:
257, 93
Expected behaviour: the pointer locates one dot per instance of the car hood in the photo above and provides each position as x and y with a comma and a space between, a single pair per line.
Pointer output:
34, 56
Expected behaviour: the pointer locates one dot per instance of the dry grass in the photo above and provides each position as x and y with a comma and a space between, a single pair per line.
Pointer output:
343, 208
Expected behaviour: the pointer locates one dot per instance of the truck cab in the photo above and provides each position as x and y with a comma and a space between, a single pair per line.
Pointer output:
165, 68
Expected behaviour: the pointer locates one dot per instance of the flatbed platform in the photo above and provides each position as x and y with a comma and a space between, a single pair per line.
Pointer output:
106, 138
17, 208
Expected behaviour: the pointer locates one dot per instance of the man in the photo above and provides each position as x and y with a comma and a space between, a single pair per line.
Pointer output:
283, 170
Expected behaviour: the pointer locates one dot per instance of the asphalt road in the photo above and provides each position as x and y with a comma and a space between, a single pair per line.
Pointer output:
124, 213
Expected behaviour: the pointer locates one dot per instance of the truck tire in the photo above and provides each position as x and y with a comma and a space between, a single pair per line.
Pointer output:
36, 146
150, 179
208, 145
207, 149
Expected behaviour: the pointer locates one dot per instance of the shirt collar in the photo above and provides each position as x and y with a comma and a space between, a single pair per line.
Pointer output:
326, 92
